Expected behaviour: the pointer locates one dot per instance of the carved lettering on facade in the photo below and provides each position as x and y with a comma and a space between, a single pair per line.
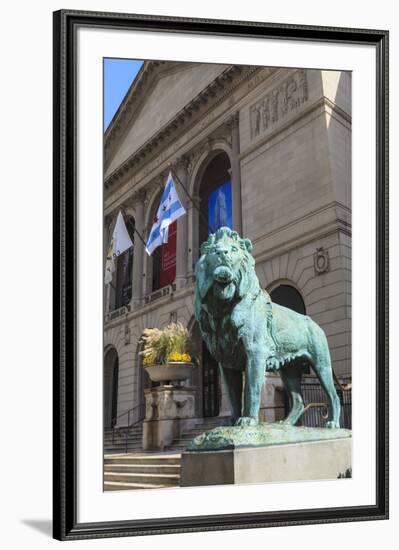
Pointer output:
278, 103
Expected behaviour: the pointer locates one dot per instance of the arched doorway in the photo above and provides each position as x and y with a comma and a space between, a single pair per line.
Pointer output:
288, 296
216, 210
215, 192
111, 378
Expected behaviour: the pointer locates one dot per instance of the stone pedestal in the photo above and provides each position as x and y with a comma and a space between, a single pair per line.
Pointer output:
167, 407
309, 460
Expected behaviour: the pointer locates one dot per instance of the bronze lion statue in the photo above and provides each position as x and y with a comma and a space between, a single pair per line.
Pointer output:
247, 333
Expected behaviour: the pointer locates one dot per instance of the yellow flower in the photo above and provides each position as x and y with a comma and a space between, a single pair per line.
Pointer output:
148, 360
179, 357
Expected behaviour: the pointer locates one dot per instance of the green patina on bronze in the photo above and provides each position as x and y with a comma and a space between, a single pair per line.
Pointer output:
261, 435
247, 333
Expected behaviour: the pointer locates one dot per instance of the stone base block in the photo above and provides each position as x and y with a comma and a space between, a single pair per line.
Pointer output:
157, 434
310, 460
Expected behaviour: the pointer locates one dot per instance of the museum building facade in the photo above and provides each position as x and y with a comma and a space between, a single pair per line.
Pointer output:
266, 151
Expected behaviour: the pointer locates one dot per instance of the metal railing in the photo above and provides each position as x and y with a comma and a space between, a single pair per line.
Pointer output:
316, 407
123, 430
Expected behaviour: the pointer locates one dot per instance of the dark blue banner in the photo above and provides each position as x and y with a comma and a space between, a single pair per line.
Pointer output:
220, 208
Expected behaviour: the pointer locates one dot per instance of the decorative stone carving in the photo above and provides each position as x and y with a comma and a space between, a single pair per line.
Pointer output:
166, 406
233, 120
321, 260
139, 197
278, 103
181, 163
127, 334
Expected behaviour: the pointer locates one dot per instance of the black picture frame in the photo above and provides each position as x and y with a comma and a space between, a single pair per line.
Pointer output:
65, 522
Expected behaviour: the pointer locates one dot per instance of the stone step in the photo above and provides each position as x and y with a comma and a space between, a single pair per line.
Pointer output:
120, 439
155, 479
143, 468
131, 431
123, 439
122, 486
173, 459
122, 434
119, 450
122, 443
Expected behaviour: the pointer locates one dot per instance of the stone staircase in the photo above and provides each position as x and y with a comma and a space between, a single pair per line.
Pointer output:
141, 471
138, 469
118, 443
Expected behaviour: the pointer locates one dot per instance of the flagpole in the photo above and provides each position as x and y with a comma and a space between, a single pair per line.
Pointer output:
210, 229
140, 237
138, 233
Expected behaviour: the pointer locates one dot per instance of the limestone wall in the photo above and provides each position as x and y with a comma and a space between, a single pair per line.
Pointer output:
294, 165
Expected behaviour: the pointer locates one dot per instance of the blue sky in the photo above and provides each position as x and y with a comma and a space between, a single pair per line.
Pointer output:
118, 76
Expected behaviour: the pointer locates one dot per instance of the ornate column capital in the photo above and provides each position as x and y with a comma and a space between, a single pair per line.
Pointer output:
108, 219
139, 197
233, 120
183, 162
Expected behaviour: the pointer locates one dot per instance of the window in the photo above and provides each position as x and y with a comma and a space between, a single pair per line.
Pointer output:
124, 270
164, 256
216, 197
288, 296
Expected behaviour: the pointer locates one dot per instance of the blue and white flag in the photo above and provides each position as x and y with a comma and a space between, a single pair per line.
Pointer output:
170, 209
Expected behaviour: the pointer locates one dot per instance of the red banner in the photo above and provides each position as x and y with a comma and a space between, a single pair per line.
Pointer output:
168, 258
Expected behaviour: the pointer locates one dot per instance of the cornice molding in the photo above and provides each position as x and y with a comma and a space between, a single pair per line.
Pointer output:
197, 108
132, 100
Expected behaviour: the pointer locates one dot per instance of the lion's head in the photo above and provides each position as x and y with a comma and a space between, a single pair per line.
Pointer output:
225, 270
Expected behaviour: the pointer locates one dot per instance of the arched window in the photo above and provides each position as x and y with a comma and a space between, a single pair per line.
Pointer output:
215, 192
288, 296
111, 379
124, 270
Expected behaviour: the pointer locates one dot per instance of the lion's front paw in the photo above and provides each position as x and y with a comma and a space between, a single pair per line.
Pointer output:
332, 424
246, 421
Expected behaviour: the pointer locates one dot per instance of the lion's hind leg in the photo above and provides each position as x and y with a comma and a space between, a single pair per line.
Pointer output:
291, 376
324, 374
321, 363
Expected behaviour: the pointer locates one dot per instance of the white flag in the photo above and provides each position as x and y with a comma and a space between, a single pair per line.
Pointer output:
120, 242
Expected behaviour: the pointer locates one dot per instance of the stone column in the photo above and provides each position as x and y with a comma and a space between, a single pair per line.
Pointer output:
233, 125
147, 266
110, 288
193, 224
137, 283
106, 294
182, 225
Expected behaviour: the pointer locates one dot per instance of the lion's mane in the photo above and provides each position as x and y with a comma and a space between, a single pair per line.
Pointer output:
245, 280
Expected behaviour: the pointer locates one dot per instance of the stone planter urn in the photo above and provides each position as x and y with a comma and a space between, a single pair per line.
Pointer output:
171, 372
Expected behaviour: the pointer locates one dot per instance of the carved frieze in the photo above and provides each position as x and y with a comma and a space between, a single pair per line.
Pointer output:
278, 103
